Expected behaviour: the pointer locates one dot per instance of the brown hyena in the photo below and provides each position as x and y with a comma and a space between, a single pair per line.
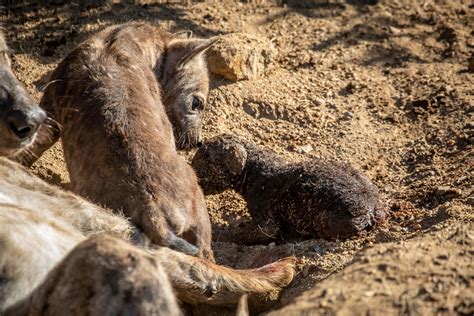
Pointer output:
110, 96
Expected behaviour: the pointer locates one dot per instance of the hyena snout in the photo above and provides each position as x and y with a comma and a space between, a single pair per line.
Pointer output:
188, 132
23, 124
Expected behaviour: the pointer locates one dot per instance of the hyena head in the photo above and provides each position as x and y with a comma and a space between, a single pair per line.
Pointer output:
220, 162
185, 82
20, 117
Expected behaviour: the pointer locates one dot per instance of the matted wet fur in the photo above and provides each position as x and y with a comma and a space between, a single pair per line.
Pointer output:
20, 117
40, 224
102, 276
106, 97
314, 198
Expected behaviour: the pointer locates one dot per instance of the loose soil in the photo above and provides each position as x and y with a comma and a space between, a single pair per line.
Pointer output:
384, 85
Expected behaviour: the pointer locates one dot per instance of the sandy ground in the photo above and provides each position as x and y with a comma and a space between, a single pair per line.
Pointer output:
387, 87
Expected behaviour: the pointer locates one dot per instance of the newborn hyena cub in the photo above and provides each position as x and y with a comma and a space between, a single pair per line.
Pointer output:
118, 141
314, 198
20, 117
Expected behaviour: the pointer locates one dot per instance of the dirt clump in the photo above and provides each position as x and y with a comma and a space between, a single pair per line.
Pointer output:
240, 56
384, 279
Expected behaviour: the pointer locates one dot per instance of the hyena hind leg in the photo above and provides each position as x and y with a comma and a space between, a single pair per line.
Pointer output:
103, 276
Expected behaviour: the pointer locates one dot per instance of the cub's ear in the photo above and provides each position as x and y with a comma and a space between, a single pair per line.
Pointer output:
183, 34
235, 158
197, 48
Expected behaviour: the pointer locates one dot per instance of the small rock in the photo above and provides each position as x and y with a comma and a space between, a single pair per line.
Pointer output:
470, 64
240, 56
395, 228
469, 125
304, 149
347, 116
319, 101
446, 191
470, 200
394, 30
305, 271
470, 42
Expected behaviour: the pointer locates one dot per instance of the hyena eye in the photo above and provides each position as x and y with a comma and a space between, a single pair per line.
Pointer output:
198, 104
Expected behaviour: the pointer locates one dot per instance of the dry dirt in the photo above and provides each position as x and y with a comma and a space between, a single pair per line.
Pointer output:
385, 85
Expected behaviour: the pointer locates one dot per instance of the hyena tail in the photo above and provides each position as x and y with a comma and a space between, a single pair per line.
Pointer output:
199, 281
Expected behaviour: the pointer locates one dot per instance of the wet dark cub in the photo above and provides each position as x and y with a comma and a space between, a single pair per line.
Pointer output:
314, 198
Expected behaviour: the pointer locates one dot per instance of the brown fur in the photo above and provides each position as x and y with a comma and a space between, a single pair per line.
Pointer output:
40, 224
314, 198
118, 142
102, 276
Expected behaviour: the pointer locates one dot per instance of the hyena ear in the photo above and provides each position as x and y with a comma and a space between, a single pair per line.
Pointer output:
183, 34
198, 47
44, 81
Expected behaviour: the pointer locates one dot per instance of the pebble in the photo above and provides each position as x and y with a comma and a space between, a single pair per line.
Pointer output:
470, 200
305, 149
469, 125
347, 116
446, 191
319, 101
395, 228
394, 30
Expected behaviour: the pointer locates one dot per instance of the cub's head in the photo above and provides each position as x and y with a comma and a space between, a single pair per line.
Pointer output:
219, 163
20, 117
185, 82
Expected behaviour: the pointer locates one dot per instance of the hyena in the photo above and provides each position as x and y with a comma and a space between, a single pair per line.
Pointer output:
315, 198
40, 224
20, 117
109, 97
